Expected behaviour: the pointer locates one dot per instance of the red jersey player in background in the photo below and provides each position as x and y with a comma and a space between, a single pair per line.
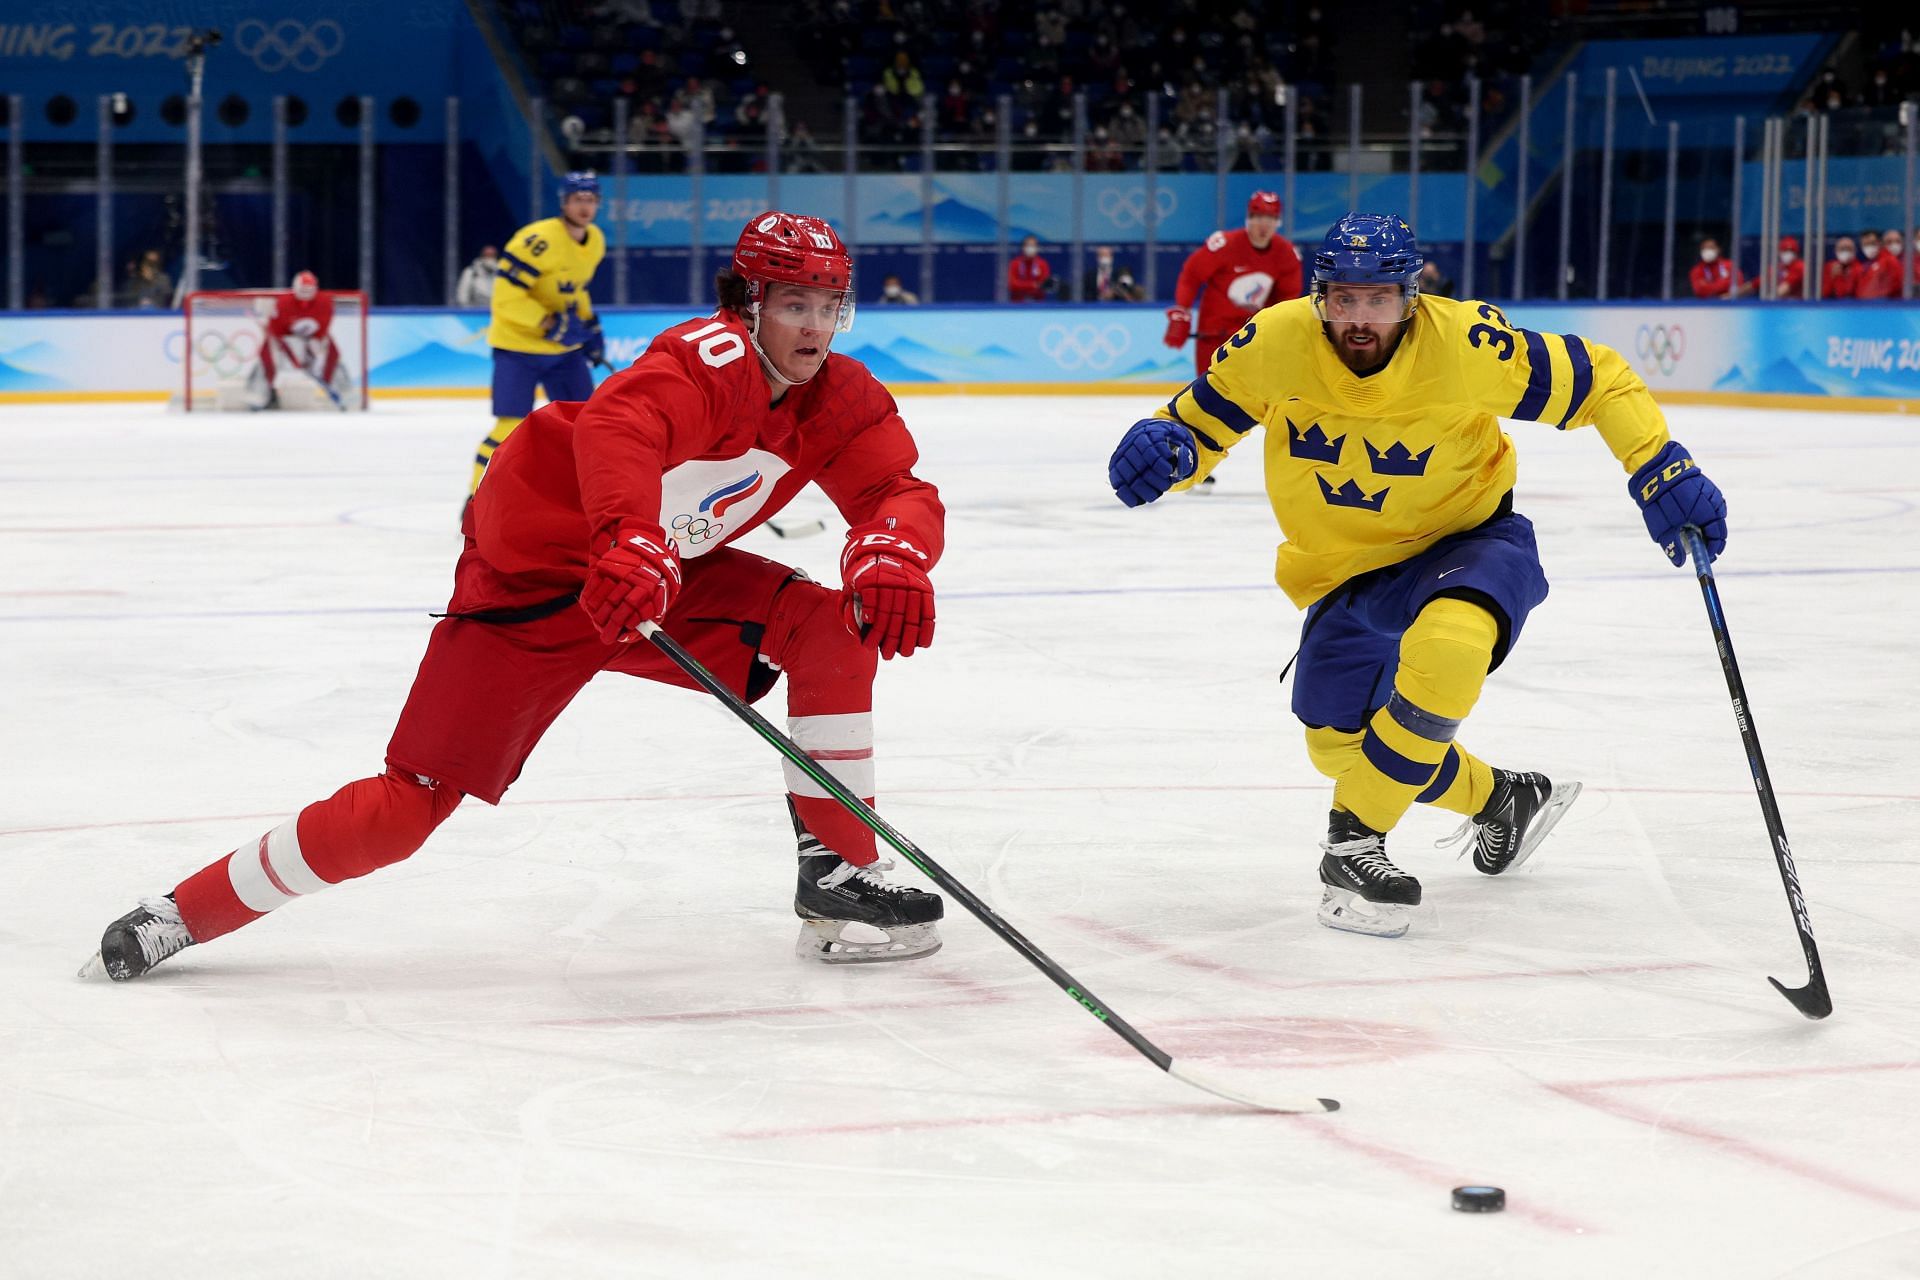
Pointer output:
1715, 277
1234, 274
297, 332
598, 516
1792, 284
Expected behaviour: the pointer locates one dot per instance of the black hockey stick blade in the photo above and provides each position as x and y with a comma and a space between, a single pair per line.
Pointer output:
1811, 1000
960, 893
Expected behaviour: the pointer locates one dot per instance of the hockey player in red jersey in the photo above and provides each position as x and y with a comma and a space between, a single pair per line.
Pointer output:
298, 324
1234, 274
598, 516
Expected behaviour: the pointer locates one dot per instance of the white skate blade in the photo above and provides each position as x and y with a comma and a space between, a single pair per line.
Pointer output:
827, 942
1347, 911
94, 968
1561, 799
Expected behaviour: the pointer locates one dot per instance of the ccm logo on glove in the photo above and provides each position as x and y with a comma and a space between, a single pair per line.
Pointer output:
886, 598
1674, 493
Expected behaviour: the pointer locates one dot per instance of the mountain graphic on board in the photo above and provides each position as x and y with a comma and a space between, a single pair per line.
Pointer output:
434, 365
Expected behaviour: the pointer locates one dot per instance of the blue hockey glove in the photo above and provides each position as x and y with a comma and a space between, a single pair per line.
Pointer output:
594, 348
1153, 456
1673, 493
565, 328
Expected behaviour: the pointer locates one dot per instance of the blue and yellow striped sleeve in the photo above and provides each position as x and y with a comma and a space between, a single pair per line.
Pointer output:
1222, 406
1570, 382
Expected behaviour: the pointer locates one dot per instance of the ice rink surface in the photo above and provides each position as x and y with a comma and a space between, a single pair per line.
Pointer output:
570, 1037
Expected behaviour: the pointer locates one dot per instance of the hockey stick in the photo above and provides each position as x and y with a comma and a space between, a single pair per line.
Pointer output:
1812, 999
939, 875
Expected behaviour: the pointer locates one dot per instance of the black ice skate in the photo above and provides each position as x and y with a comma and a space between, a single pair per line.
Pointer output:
852, 915
1523, 808
139, 940
1365, 893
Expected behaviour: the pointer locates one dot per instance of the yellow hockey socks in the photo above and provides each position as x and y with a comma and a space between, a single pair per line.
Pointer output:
502, 428
1408, 745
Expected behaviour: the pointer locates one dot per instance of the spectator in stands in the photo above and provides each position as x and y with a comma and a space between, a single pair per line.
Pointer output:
1840, 278
1110, 283
1102, 155
1434, 282
895, 294
903, 83
151, 287
800, 153
1714, 276
1880, 270
1792, 281
476, 282
1029, 276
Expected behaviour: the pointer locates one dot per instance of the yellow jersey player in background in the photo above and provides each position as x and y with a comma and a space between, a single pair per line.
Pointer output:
543, 332
1393, 484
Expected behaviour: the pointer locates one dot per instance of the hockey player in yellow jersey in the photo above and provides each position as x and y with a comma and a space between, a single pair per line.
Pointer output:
543, 332
1392, 481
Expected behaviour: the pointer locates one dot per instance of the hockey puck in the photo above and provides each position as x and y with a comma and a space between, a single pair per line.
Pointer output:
1479, 1199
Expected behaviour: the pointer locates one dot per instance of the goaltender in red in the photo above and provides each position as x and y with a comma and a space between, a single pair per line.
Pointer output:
598, 516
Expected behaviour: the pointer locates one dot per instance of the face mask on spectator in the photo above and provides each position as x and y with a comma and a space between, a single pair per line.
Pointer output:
892, 289
1709, 255
1843, 256
1029, 250
1787, 255
1869, 251
1893, 246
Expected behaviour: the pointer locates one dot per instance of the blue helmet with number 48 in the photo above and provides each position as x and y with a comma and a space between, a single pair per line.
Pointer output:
1369, 248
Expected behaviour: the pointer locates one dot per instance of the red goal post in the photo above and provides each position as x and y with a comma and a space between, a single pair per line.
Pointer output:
224, 330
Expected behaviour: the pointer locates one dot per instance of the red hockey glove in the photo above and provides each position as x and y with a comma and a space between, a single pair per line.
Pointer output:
631, 582
1179, 327
887, 598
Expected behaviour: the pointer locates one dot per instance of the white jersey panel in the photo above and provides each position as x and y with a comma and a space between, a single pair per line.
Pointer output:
701, 501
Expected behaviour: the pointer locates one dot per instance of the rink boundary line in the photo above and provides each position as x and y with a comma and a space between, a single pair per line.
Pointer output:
1150, 949
1720, 399
1050, 593
1102, 787
1424, 1172
1665, 1120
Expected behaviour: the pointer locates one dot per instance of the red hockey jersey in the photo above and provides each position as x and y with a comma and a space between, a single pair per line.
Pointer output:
684, 438
290, 317
1238, 280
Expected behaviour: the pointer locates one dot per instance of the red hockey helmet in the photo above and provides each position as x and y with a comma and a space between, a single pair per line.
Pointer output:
305, 285
793, 248
1263, 204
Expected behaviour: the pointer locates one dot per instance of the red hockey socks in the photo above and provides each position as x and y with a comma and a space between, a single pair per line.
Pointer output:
362, 827
829, 711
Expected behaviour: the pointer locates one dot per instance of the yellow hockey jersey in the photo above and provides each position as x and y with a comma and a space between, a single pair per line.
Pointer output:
543, 270
1365, 472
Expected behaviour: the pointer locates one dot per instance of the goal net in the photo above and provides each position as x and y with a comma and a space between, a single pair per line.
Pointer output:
225, 330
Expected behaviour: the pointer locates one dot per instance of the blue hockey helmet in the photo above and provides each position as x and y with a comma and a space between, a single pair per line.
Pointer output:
1369, 248
578, 181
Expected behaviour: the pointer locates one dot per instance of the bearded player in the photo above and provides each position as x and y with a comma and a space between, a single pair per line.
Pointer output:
1393, 482
543, 332
598, 517
298, 335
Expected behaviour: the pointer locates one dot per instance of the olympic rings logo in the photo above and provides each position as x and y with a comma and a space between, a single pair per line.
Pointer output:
288, 43
1662, 344
1083, 344
226, 354
695, 530
1129, 208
